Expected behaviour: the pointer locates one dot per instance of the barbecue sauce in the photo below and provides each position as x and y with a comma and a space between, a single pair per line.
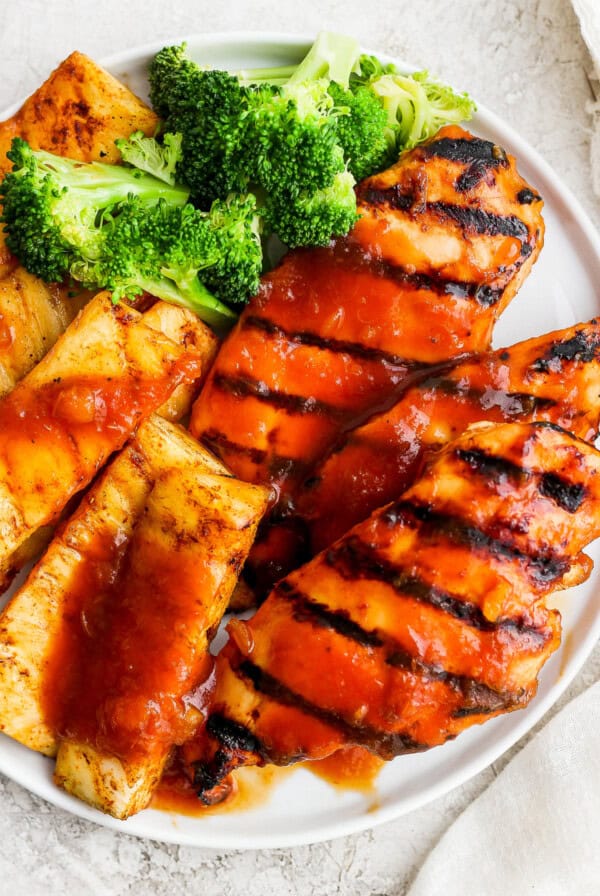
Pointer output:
352, 768
124, 669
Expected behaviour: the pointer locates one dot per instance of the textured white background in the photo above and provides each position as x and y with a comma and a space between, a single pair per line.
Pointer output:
522, 58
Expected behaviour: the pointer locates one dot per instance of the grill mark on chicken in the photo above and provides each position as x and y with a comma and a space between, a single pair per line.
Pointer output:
353, 559
543, 569
387, 743
234, 739
581, 347
484, 294
527, 197
233, 735
306, 609
479, 697
513, 404
244, 387
473, 175
467, 151
471, 219
480, 156
306, 337
218, 442
480, 221
569, 496
495, 468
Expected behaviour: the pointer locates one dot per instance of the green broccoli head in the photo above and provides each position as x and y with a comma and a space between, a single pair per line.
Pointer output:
236, 226
291, 137
238, 134
164, 250
312, 219
112, 227
51, 205
416, 105
196, 259
362, 130
207, 107
160, 159
29, 194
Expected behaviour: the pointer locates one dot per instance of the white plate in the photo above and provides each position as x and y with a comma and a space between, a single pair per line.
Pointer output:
302, 808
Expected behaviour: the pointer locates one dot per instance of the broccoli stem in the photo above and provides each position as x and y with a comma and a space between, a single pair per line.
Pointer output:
195, 297
278, 75
332, 57
107, 185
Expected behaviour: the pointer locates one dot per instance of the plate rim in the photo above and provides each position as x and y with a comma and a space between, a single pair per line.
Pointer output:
136, 826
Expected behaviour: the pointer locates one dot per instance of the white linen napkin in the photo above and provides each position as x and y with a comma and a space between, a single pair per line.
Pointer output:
589, 19
535, 831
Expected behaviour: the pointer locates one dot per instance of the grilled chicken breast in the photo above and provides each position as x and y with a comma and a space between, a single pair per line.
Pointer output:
425, 619
337, 333
454, 209
554, 378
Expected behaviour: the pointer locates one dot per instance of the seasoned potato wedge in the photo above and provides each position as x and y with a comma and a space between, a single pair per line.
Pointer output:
32, 619
81, 403
33, 314
182, 563
107, 783
165, 496
186, 329
78, 112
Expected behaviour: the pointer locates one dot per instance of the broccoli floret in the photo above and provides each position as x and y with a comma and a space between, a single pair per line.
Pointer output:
332, 57
237, 133
52, 205
362, 131
207, 107
146, 153
164, 251
291, 139
311, 219
111, 227
416, 105
356, 118
236, 225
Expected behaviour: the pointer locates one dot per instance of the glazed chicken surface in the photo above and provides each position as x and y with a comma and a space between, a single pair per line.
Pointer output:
555, 377
444, 240
423, 620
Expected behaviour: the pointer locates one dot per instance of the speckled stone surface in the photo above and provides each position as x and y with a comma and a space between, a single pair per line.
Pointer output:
525, 60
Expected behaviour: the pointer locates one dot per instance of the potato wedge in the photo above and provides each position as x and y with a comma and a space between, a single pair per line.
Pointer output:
32, 619
78, 112
187, 330
163, 496
182, 563
81, 403
33, 314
